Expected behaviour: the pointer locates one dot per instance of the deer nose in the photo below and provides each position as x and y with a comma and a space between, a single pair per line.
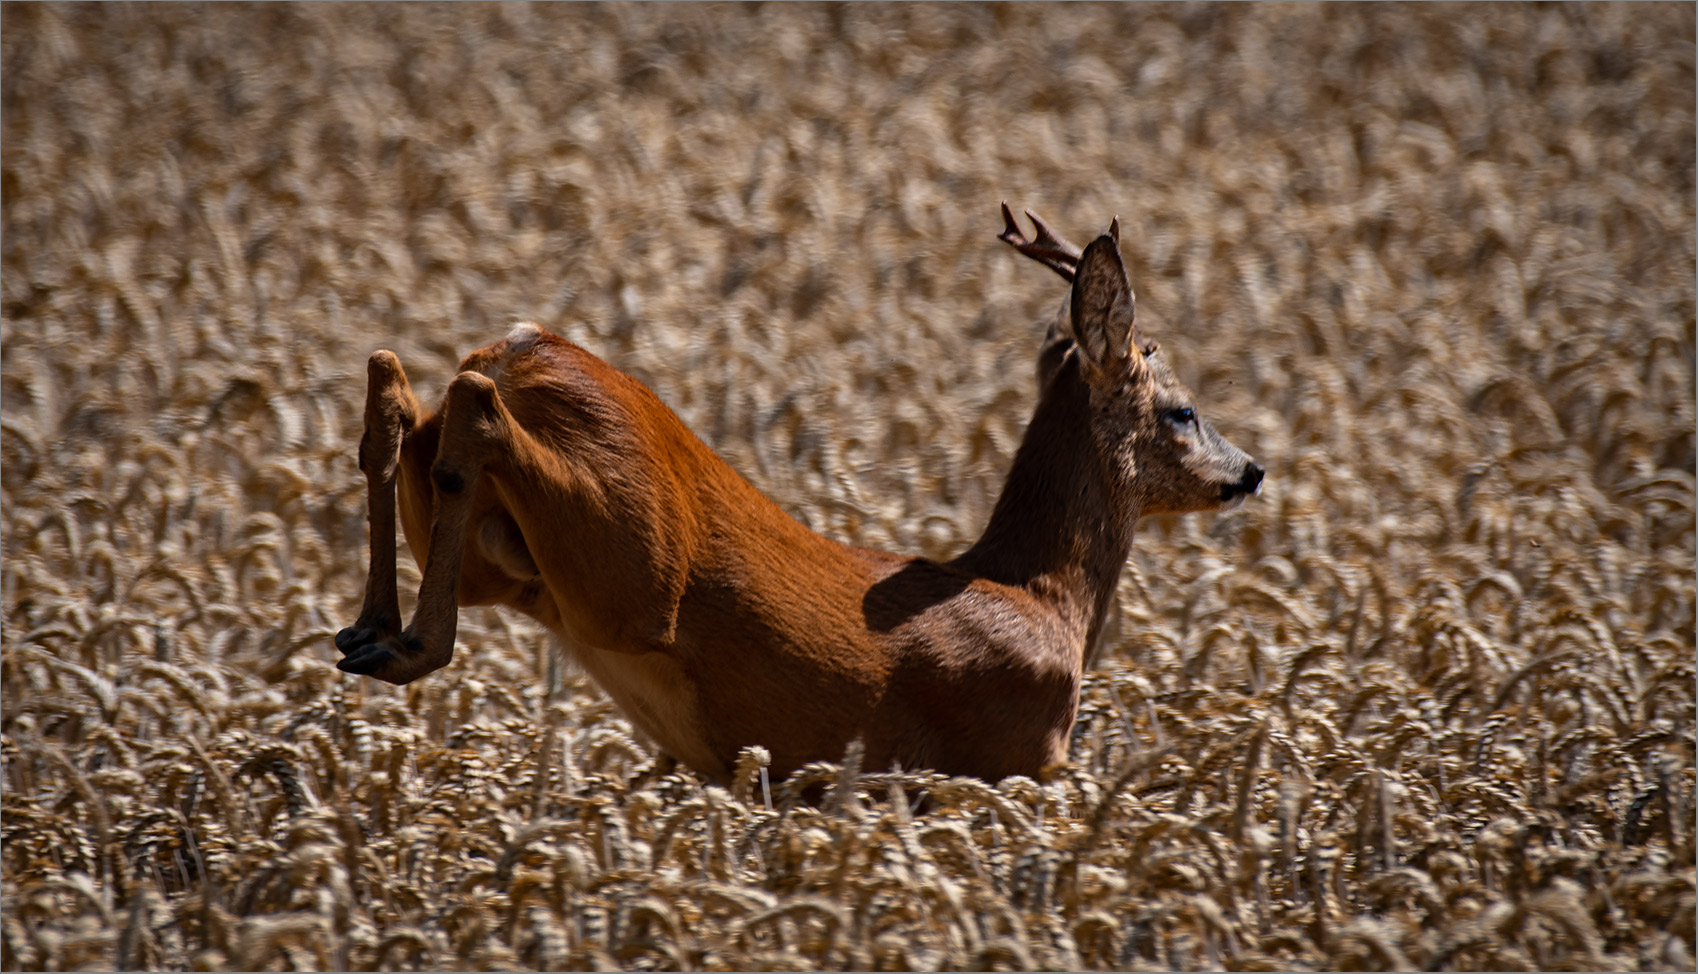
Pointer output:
1250, 482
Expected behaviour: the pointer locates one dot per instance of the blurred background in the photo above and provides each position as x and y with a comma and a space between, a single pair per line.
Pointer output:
1433, 266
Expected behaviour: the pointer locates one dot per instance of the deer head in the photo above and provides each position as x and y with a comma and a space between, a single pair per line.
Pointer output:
1162, 454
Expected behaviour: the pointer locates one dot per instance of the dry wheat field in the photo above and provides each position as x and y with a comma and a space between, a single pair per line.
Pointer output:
1427, 702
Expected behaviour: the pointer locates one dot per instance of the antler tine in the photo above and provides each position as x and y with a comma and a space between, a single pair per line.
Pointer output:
1048, 249
1050, 237
1010, 229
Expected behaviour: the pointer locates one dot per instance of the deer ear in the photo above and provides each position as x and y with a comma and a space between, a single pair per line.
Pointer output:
1102, 304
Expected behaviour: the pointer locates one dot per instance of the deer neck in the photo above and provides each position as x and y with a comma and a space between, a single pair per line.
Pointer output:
1056, 529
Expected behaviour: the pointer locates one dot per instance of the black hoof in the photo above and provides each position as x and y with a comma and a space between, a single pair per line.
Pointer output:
366, 660
364, 631
354, 637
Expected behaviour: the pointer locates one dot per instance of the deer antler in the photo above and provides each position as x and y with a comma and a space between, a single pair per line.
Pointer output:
1049, 249
1058, 255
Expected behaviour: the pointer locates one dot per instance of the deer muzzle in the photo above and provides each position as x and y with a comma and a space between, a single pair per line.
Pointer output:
1250, 483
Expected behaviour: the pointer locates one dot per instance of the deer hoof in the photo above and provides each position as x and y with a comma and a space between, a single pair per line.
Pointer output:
354, 637
367, 660
392, 659
364, 630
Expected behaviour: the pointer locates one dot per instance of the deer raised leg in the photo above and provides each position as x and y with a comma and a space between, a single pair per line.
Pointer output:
392, 412
473, 428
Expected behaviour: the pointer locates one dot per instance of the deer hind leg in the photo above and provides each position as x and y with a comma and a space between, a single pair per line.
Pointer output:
476, 428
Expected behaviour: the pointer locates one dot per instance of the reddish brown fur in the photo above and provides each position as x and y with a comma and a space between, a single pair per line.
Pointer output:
552, 483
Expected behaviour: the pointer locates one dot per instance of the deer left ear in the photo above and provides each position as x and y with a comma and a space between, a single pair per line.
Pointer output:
1103, 310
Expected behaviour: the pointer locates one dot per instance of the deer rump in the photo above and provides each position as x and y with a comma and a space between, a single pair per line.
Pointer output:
550, 482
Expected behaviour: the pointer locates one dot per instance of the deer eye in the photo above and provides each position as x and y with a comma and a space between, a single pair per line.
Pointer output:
1182, 417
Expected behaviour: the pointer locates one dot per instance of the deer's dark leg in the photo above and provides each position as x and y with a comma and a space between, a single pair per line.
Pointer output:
391, 413
475, 428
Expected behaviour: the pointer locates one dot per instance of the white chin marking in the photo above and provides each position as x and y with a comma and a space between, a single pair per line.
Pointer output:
523, 335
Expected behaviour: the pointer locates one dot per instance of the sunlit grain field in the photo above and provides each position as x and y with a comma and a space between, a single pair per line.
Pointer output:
1427, 702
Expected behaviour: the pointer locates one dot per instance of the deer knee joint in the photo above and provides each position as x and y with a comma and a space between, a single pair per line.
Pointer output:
472, 394
474, 432
476, 424
391, 413
388, 394
383, 368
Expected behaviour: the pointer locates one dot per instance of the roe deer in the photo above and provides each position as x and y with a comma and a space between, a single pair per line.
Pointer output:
552, 483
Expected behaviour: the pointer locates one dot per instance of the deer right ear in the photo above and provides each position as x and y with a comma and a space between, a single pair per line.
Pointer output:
1103, 308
